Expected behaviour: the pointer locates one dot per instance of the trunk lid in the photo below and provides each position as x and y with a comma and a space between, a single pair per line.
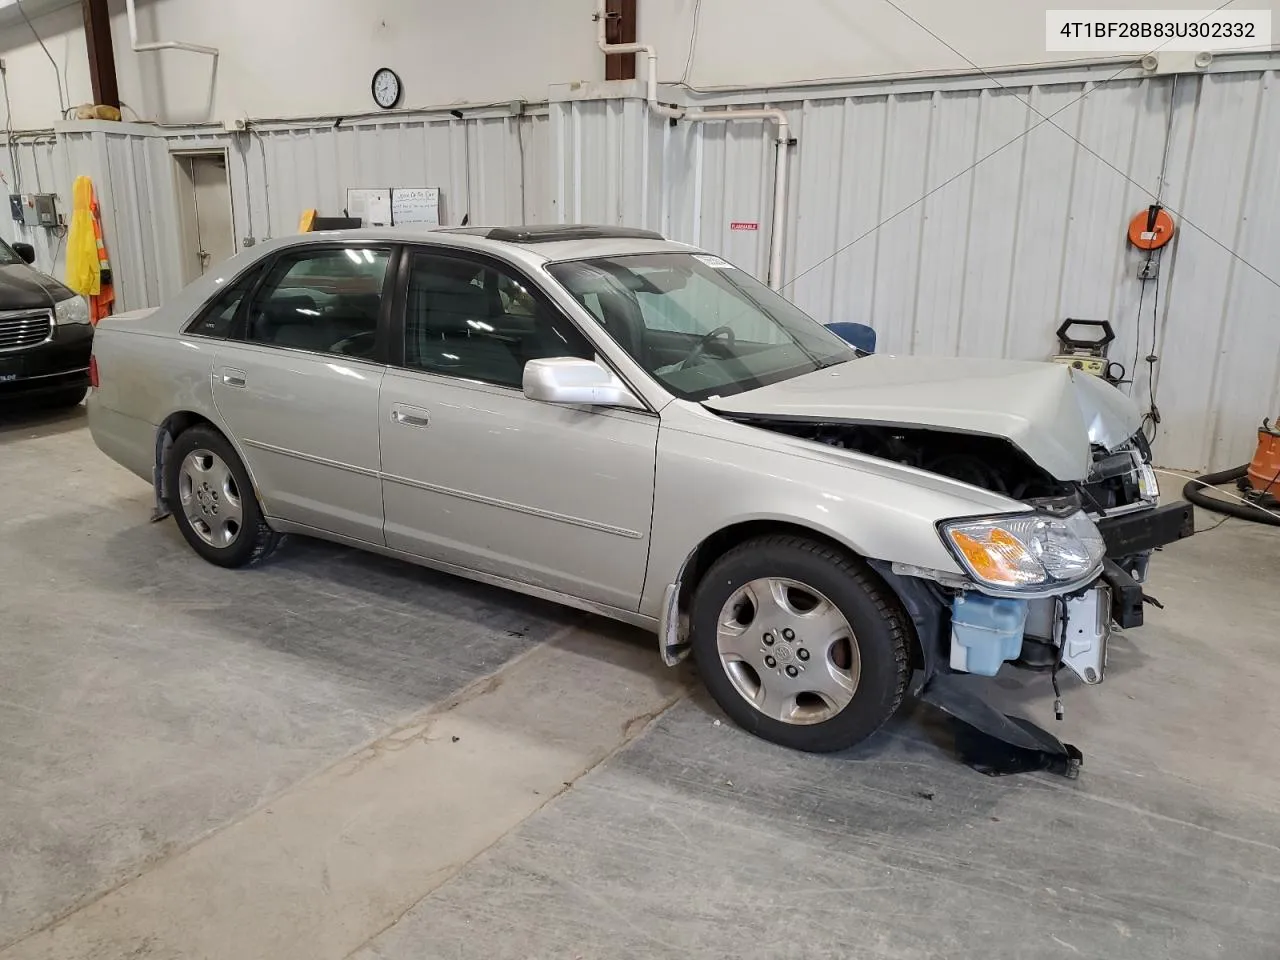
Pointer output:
125, 319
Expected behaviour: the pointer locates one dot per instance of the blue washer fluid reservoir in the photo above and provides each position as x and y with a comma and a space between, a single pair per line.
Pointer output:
985, 632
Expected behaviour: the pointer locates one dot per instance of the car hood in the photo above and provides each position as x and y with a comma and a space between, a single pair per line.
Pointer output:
22, 288
1050, 411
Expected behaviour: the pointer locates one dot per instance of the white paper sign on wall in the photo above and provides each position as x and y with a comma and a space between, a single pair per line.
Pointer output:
372, 205
415, 205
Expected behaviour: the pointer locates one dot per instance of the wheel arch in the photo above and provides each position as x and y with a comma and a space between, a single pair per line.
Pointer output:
717, 544
673, 630
167, 432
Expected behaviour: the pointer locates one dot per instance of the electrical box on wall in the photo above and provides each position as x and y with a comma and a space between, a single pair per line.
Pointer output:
46, 207
35, 209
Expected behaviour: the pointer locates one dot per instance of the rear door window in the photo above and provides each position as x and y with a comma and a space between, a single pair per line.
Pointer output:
322, 301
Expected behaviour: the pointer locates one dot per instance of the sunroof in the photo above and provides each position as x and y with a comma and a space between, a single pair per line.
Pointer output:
569, 231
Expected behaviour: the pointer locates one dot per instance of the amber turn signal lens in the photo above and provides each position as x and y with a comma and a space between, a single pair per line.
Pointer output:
995, 559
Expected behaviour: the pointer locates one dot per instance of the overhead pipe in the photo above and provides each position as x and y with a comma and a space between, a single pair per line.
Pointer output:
211, 52
782, 136
161, 44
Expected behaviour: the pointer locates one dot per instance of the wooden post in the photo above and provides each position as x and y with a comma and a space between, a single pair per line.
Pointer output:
620, 27
102, 60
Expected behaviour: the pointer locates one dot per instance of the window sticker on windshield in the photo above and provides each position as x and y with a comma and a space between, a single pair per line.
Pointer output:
711, 261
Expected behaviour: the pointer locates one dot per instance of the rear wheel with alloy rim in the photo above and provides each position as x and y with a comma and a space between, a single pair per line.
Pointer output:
212, 499
799, 643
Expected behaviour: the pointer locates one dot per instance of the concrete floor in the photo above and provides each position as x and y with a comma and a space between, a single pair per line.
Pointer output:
338, 755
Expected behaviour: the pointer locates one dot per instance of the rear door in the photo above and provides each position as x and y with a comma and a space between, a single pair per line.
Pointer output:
297, 384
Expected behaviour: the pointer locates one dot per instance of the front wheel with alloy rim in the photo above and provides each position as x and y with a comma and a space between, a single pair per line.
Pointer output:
212, 499
800, 643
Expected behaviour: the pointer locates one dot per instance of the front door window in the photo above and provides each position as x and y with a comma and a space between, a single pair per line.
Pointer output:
467, 319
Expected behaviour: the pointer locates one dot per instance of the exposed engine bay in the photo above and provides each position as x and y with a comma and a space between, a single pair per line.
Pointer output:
992, 463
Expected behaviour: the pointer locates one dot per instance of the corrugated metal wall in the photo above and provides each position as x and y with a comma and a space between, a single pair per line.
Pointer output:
496, 168
133, 182
493, 168
953, 219
937, 217
996, 258
129, 168
41, 167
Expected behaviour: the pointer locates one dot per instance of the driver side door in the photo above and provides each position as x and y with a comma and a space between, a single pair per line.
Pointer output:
475, 474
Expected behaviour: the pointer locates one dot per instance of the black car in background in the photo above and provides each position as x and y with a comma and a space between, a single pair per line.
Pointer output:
45, 334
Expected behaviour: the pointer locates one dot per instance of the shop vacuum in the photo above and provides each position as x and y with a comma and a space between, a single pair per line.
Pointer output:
1258, 481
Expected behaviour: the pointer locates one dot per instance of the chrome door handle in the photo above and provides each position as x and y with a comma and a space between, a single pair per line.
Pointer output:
409, 416
232, 377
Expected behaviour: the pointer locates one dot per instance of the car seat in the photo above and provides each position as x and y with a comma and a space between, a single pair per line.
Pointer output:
290, 321
446, 326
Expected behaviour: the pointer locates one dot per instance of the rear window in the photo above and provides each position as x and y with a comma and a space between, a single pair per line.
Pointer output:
217, 318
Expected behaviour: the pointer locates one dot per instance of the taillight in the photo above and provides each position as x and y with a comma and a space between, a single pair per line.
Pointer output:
93, 371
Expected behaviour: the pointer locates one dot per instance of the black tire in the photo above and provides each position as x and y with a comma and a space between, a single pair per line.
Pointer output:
255, 541
881, 628
64, 399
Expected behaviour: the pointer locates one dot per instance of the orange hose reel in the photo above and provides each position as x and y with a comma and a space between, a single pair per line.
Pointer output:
1151, 229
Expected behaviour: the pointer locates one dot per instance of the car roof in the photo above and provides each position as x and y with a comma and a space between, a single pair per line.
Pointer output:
529, 243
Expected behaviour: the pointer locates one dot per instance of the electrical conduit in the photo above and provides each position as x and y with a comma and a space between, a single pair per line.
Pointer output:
782, 136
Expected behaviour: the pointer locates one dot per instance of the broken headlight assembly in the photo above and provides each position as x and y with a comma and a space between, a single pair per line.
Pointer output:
1023, 554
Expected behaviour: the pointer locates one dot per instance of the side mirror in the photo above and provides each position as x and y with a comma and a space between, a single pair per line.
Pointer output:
26, 251
575, 381
857, 335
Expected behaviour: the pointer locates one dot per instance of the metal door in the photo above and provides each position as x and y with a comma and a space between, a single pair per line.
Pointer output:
208, 230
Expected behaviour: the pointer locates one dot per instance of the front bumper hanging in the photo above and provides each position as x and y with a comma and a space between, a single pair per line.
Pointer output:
1132, 535
987, 739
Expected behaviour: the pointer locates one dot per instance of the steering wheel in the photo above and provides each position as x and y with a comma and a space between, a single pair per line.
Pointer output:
696, 353
365, 339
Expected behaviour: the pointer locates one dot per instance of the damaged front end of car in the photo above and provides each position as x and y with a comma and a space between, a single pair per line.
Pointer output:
1040, 589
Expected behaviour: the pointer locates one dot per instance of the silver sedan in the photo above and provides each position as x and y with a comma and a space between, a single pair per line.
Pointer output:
635, 427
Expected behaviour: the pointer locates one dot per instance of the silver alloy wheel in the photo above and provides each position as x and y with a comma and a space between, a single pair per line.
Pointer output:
788, 650
210, 498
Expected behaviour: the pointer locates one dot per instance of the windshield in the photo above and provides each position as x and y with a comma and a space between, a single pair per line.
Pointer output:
698, 325
7, 257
